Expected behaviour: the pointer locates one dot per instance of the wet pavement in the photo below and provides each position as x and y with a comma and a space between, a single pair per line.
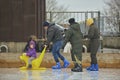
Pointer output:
63, 74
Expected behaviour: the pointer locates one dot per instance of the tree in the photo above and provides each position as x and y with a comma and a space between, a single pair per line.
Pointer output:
55, 13
112, 13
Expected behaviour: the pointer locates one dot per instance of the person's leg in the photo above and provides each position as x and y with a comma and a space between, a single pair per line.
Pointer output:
73, 59
94, 49
77, 65
54, 52
58, 47
77, 60
30, 62
93, 62
66, 63
93, 58
90, 49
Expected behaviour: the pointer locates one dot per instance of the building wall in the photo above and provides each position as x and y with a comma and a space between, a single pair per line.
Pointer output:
21, 18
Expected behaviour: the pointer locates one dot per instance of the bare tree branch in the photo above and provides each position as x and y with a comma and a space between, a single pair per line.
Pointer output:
112, 14
53, 7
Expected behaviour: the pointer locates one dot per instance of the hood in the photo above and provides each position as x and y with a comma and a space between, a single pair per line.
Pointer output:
51, 24
32, 42
75, 26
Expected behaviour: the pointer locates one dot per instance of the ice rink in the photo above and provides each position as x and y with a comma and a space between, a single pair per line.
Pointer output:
62, 74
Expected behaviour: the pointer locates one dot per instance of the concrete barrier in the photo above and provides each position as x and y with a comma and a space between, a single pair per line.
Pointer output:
111, 42
14, 46
108, 60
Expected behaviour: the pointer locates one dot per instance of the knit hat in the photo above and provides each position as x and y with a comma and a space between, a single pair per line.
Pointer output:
46, 24
71, 20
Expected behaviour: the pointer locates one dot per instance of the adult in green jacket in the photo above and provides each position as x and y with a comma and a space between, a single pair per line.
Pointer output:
93, 35
74, 36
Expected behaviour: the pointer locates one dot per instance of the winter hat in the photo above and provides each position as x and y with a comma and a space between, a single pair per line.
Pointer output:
46, 24
71, 20
89, 21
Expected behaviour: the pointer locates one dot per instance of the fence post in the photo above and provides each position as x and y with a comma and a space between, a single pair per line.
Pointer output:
86, 16
50, 16
118, 21
99, 20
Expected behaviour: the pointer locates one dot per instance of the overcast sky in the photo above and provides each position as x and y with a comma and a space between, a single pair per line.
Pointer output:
83, 5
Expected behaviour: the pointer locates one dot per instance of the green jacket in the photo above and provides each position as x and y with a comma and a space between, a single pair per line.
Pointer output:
93, 32
93, 35
74, 36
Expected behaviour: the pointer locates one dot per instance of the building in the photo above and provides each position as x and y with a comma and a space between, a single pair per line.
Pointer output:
21, 18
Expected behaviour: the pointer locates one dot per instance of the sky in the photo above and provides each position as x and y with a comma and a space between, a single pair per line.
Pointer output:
83, 5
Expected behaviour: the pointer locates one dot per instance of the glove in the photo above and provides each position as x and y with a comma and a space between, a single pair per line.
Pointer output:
25, 54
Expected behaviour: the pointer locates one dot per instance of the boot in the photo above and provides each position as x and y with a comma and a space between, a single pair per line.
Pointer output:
96, 67
77, 69
66, 64
29, 66
57, 66
88, 68
75, 66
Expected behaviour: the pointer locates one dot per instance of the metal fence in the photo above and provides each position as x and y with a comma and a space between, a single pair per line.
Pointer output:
102, 22
80, 17
110, 26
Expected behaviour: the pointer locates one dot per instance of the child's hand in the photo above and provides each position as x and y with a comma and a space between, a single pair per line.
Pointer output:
24, 53
45, 45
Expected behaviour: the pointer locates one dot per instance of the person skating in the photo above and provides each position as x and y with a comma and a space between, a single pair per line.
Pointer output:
74, 36
54, 35
93, 35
